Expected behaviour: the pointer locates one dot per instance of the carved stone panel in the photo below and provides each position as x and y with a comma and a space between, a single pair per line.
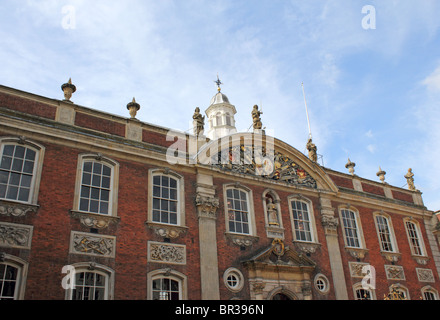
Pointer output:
15, 235
166, 253
10, 208
358, 269
92, 244
394, 272
425, 275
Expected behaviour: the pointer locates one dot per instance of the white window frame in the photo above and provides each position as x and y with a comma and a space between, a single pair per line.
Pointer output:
418, 232
250, 207
358, 286
358, 227
107, 272
311, 215
114, 182
392, 236
168, 274
38, 165
22, 271
430, 290
180, 195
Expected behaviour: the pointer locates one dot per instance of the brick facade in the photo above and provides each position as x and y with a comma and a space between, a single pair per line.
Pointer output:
55, 220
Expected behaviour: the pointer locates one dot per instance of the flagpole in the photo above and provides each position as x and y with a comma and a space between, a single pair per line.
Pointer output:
307, 111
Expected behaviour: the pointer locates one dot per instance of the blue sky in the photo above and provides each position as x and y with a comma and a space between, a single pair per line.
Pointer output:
373, 94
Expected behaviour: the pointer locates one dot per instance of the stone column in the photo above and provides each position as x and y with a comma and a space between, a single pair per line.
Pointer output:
330, 223
207, 205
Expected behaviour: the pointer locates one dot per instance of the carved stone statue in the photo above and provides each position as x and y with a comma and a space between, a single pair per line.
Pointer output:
256, 118
312, 150
272, 213
410, 180
199, 122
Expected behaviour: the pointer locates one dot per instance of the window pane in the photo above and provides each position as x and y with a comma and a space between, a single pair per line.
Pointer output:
97, 168
106, 171
86, 178
84, 204
85, 191
8, 150
87, 167
173, 183
94, 206
4, 177
17, 165
30, 154
12, 193
19, 152
103, 208
6, 163
23, 194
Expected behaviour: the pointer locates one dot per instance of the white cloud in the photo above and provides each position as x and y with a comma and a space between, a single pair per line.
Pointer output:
432, 82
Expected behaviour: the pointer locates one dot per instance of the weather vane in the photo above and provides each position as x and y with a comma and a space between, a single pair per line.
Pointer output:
218, 82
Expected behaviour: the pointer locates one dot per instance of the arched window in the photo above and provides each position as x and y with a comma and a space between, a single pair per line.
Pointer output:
20, 169
429, 293
166, 284
415, 241
97, 182
385, 233
166, 195
351, 228
238, 214
360, 293
165, 199
302, 219
218, 119
13, 271
91, 282
228, 119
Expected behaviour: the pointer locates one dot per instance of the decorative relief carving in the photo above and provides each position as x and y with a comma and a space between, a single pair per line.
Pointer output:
207, 206
93, 220
356, 269
421, 260
391, 256
15, 235
92, 244
241, 240
425, 275
167, 231
243, 159
307, 247
357, 253
258, 287
166, 253
394, 272
16, 209
330, 222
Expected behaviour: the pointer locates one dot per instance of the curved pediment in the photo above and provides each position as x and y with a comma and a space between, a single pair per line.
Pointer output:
264, 156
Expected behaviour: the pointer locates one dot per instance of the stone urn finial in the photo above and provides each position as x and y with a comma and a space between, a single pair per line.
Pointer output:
68, 88
133, 108
381, 174
350, 166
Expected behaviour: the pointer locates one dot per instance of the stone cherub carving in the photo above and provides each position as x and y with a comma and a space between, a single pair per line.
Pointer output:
199, 122
256, 118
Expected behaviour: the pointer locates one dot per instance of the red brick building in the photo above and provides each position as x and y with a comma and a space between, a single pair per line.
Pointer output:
99, 206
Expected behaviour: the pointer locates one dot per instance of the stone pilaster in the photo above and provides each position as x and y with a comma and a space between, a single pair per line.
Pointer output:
207, 205
330, 223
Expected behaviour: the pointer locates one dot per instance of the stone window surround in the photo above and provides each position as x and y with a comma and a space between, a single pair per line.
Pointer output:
394, 255
113, 203
423, 258
314, 233
88, 266
170, 274
22, 267
38, 166
241, 239
356, 252
239, 276
163, 229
